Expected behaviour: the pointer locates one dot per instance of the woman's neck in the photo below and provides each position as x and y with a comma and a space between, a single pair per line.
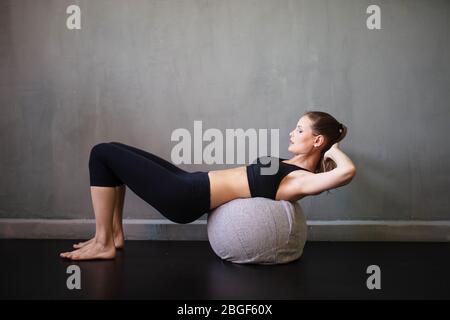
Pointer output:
308, 162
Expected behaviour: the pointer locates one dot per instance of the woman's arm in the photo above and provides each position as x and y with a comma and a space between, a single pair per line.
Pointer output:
340, 158
313, 184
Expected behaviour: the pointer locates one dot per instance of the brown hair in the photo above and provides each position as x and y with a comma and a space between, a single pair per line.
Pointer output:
334, 131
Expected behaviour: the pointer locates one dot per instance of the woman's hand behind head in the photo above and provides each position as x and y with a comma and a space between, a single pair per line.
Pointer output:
329, 152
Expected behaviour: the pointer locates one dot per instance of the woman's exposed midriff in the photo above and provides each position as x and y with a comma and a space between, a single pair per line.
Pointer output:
228, 184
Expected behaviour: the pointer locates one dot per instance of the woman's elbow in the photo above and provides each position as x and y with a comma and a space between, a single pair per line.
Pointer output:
350, 173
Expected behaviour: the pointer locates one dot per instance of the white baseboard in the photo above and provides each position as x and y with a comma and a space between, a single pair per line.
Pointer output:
137, 229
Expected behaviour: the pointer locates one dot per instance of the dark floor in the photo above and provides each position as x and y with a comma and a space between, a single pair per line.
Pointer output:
32, 269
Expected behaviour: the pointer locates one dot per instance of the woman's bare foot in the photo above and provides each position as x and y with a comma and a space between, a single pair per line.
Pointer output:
119, 241
82, 244
91, 251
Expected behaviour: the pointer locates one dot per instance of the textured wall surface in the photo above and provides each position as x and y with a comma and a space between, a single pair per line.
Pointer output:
137, 70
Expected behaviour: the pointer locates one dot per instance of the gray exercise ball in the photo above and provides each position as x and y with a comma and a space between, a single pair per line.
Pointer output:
257, 230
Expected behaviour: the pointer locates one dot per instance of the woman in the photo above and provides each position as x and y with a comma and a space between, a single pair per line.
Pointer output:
182, 197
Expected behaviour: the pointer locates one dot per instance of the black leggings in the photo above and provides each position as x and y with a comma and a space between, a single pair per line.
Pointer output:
180, 196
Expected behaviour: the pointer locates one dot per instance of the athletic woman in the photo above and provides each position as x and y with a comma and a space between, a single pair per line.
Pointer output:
318, 164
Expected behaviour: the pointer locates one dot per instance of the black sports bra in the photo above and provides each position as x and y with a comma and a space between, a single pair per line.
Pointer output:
266, 186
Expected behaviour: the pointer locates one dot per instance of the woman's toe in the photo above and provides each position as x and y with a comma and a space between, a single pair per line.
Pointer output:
75, 256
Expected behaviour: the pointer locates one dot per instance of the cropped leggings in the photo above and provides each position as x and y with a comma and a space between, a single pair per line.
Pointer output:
180, 196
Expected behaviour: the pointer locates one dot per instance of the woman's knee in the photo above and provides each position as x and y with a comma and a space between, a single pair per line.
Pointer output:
115, 142
99, 149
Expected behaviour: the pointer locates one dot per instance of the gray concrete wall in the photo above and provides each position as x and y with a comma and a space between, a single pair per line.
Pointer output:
137, 70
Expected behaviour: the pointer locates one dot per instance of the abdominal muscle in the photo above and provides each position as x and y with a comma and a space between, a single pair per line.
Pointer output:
229, 184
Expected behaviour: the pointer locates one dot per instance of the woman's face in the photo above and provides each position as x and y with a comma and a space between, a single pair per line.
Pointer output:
302, 140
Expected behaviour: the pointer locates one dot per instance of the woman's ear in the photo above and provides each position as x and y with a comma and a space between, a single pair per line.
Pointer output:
319, 141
